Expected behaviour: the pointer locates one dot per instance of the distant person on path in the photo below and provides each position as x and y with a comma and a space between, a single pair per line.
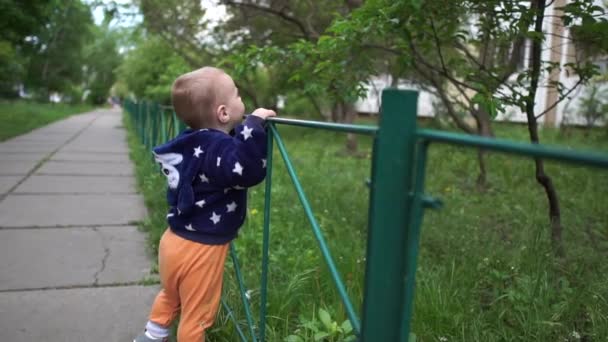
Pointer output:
208, 168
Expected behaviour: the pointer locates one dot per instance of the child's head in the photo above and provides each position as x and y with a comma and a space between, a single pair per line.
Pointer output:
207, 98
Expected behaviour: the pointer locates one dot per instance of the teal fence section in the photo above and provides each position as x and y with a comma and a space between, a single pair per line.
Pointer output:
396, 211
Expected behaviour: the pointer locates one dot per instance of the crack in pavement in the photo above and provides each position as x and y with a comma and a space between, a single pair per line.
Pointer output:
105, 257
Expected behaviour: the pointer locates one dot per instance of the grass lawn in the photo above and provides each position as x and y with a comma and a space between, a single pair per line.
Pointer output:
20, 117
485, 271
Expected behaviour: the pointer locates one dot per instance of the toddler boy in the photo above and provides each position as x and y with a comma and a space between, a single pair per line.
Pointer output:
208, 172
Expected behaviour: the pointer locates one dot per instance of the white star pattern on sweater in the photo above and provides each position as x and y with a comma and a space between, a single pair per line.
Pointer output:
238, 187
197, 151
189, 227
246, 132
200, 203
231, 207
204, 178
219, 160
215, 218
238, 169
264, 163
226, 190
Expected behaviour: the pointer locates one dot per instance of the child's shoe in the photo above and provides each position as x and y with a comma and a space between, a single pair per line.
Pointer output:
143, 337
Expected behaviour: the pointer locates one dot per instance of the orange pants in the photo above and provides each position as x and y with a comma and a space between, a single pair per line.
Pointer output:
191, 276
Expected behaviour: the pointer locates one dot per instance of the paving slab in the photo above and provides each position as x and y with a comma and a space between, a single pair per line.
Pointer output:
64, 257
75, 315
26, 143
112, 146
70, 210
17, 167
93, 157
40, 138
27, 149
80, 184
7, 156
85, 168
7, 182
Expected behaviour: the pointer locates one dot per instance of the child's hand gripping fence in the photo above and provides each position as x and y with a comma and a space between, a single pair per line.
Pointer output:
397, 201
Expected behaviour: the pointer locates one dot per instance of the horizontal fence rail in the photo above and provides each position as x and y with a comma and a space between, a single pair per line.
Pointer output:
589, 158
357, 129
397, 203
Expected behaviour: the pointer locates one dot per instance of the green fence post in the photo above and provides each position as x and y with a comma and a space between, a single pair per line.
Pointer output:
266, 237
155, 124
413, 236
390, 206
144, 123
138, 121
175, 121
163, 126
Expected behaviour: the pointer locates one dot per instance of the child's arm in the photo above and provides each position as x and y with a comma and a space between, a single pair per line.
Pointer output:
240, 161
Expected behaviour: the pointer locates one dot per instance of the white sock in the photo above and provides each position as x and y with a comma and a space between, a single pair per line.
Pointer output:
155, 331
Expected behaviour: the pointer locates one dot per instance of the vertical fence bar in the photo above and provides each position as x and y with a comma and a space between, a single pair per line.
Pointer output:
138, 121
144, 130
266, 237
239, 279
390, 207
413, 237
234, 321
175, 124
155, 124
163, 126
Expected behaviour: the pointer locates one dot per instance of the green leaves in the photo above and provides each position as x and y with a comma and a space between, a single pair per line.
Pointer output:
326, 319
150, 69
488, 103
323, 329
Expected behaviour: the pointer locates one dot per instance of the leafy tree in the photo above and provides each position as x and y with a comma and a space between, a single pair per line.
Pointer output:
55, 51
467, 52
265, 24
18, 20
102, 58
150, 68
282, 36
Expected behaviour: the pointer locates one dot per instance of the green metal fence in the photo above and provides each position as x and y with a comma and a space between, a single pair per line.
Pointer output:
397, 203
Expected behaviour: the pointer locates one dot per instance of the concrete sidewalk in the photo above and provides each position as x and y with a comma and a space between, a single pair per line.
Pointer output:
71, 257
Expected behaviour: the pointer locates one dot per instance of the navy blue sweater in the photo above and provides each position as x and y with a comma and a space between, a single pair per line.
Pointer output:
208, 173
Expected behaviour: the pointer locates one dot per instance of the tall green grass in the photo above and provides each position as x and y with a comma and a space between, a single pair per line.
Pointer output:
486, 271
19, 117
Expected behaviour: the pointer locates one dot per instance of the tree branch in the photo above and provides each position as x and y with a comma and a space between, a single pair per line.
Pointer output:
561, 98
446, 101
272, 11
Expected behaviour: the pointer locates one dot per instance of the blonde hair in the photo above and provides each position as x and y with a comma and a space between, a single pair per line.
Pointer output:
195, 94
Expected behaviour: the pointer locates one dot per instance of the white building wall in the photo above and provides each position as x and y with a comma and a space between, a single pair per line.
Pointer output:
371, 104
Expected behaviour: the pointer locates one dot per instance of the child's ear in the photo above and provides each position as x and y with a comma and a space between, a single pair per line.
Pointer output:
222, 114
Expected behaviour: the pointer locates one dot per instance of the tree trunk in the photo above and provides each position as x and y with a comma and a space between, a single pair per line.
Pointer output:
345, 113
541, 177
350, 114
484, 129
336, 112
